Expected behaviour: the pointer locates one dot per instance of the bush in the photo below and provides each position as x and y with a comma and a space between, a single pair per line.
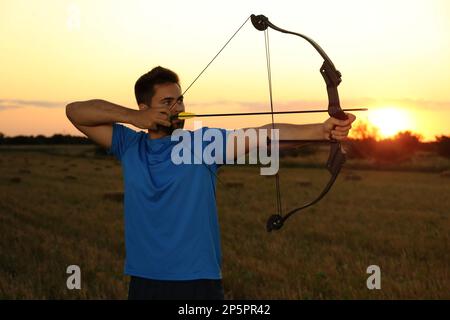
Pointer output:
443, 146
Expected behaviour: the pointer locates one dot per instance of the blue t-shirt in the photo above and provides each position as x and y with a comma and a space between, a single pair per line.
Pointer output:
171, 224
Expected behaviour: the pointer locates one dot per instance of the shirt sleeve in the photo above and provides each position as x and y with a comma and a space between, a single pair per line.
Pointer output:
122, 138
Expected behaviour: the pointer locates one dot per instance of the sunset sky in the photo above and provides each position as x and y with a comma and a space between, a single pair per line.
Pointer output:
394, 57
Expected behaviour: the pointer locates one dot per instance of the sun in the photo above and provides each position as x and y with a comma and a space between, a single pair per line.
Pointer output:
389, 120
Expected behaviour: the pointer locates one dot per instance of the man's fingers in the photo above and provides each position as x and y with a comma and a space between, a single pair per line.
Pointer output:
338, 136
343, 129
163, 122
159, 110
342, 123
337, 133
350, 116
340, 128
163, 111
162, 116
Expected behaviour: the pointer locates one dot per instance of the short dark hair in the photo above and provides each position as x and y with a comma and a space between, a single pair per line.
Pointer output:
144, 89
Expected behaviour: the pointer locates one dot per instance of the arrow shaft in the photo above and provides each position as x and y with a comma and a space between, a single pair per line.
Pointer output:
263, 113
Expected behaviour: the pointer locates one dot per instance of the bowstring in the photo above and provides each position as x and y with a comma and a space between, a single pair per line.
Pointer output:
269, 77
219, 180
210, 62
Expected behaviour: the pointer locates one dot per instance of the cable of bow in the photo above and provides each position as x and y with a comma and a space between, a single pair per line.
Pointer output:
269, 78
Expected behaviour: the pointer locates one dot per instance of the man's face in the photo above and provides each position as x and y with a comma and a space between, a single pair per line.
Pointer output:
169, 95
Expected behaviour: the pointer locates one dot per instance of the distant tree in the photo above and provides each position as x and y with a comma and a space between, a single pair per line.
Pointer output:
399, 149
362, 141
360, 148
57, 139
409, 141
443, 146
41, 139
362, 130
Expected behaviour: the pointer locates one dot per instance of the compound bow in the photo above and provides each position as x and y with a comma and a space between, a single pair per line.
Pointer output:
332, 79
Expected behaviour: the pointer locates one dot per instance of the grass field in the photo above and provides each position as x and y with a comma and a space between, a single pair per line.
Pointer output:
62, 205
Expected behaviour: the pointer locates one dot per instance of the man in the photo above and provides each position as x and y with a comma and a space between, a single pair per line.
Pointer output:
171, 227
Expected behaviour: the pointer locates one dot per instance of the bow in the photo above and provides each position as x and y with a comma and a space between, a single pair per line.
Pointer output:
332, 78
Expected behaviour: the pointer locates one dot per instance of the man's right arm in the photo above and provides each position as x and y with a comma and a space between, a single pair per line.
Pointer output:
95, 118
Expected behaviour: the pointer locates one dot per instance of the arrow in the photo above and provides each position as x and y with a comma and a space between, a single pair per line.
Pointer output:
189, 115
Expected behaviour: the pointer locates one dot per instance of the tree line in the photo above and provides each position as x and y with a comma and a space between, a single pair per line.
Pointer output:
397, 149
43, 140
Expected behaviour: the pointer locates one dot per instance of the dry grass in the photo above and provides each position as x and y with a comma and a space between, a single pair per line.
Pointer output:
62, 206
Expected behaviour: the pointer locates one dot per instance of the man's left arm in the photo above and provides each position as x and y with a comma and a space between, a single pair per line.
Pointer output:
296, 135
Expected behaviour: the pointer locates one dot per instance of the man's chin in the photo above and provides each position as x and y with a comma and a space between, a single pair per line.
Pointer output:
179, 124
169, 130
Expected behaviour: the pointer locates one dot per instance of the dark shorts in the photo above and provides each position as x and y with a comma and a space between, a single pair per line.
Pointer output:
148, 289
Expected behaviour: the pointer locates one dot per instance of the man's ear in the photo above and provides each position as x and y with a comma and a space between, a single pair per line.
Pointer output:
143, 106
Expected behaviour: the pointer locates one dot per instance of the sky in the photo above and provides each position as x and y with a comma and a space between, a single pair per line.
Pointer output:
394, 57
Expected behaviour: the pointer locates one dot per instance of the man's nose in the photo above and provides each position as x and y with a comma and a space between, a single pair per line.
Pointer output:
179, 106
